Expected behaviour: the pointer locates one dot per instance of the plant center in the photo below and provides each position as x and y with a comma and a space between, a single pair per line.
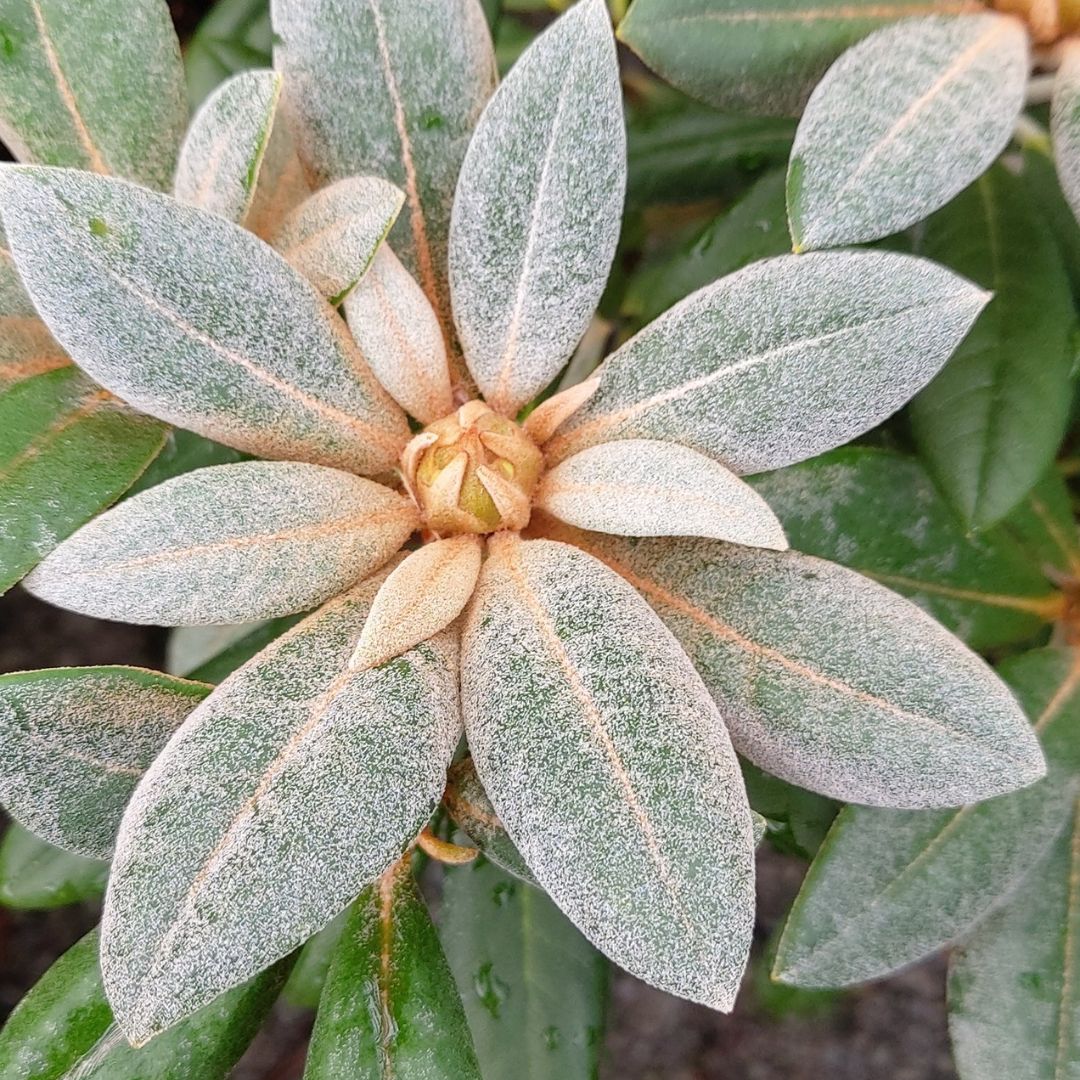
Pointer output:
1047, 20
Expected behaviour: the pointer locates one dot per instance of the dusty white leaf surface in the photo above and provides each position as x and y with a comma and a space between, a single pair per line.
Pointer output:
1065, 123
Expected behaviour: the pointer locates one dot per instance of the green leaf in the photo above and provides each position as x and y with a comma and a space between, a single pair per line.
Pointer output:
313, 962
991, 422
610, 767
235, 35
757, 55
782, 360
54, 1032
252, 357
1065, 124
224, 149
538, 209
829, 681
534, 988
890, 887
1044, 525
35, 875
389, 1007
878, 512
228, 544
94, 86
75, 741
946, 95
796, 820
1042, 181
67, 450
295, 777
184, 452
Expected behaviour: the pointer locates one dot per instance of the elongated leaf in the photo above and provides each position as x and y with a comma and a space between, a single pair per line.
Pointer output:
95, 86
538, 209
610, 767
534, 988
641, 487
830, 681
67, 450
54, 1032
75, 741
389, 1006
313, 962
889, 887
235, 35
231, 543
946, 96
781, 361
27, 349
295, 777
35, 875
990, 424
194, 320
1065, 124
1012, 1009
225, 145
879, 513
1044, 525
392, 88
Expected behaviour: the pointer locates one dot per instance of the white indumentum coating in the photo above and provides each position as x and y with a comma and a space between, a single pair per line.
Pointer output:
831, 681
901, 123
224, 149
74, 743
610, 767
781, 361
1065, 123
423, 595
538, 209
227, 544
297, 780
641, 487
333, 235
193, 320
398, 333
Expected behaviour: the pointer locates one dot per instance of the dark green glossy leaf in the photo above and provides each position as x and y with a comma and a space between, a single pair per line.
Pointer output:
234, 36
309, 972
35, 875
796, 820
184, 452
1044, 526
1045, 194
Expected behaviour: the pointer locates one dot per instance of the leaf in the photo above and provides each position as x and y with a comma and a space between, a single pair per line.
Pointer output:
1044, 525
312, 963
184, 452
35, 876
223, 152
414, 79
640, 487
609, 766
1065, 123
889, 887
757, 369
796, 820
878, 512
389, 1006
398, 332
14, 300
990, 424
54, 1032
215, 669
829, 681
332, 237
234, 35
27, 349
192, 319
534, 989
1011, 990
67, 450
294, 778
228, 544
93, 86
946, 96
538, 209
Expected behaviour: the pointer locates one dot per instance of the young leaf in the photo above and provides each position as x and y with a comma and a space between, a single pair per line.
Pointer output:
782, 360
609, 766
27, 349
75, 741
35, 876
1065, 123
990, 424
225, 145
889, 887
830, 681
296, 778
192, 319
234, 35
642, 487
534, 988
538, 209
398, 332
332, 236
389, 1006
93, 86
945, 97
228, 544
67, 450
878, 512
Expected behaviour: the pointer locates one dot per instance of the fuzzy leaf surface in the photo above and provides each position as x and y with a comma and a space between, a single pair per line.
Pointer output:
1065, 124
36, 876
